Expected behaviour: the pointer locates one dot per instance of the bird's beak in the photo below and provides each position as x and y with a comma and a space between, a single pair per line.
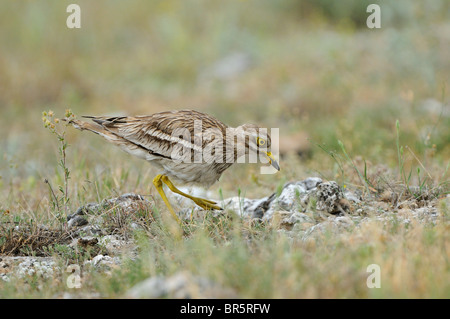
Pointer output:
272, 161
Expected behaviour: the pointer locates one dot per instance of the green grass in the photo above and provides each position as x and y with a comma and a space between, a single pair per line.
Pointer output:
373, 103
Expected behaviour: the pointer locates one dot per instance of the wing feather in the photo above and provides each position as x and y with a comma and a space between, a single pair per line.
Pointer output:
161, 132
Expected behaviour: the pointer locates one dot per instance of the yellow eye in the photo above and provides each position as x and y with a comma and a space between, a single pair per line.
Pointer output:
260, 141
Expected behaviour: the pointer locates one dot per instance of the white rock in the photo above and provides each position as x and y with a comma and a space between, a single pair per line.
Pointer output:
182, 285
102, 261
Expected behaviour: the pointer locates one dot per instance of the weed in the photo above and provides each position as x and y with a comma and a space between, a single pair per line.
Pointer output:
51, 123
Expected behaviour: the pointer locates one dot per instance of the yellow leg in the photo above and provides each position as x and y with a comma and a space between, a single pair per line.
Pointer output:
158, 184
203, 203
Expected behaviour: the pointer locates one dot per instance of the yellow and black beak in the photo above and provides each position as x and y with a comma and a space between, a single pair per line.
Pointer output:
272, 161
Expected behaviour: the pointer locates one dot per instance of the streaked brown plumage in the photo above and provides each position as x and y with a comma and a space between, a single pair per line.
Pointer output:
172, 141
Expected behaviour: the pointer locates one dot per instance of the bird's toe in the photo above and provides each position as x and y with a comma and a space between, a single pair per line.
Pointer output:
206, 204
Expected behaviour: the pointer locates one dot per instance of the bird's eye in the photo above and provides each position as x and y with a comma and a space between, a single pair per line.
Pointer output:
260, 141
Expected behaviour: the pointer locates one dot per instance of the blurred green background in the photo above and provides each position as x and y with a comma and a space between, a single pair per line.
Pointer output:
311, 68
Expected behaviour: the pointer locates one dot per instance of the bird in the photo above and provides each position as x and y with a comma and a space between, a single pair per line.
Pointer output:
186, 146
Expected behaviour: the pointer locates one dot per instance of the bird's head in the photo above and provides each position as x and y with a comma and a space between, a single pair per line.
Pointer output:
258, 140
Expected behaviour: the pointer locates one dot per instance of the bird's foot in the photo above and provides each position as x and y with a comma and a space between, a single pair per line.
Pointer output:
205, 203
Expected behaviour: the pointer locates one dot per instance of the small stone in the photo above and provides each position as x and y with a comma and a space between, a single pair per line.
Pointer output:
86, 242
103, 262
113, 244
5, 277
311, 182
329, 195
90, 230
182, 285
77, 221
298, 218
352, 197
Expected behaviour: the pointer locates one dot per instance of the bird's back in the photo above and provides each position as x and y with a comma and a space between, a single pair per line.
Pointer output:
158, 138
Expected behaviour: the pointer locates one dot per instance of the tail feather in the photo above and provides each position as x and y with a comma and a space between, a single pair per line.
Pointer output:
80, 125
93, 127
107, 121
101, 128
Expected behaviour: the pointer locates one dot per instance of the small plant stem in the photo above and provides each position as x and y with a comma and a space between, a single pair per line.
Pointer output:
354, 167
53, 193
